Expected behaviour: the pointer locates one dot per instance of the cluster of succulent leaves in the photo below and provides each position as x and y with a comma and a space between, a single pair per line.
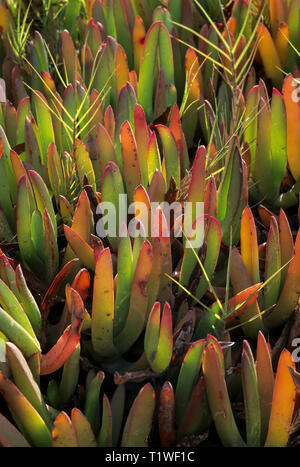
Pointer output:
145, 341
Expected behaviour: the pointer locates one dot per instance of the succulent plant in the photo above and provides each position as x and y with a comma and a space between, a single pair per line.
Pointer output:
149, 223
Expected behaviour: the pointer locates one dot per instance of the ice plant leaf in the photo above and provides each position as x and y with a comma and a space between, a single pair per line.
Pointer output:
218, 399
80, 247
240, 303
161, 230
292, 120
103, 305
197, 415
158, 338
44, 122
18, 335
83, 431
105, 148
124, 282
136, 318
69, 340
265, 381
171, 156
92, 401
25, 382
269, 55
251, 397
28, 302
249, 247
278, 139
188, 377
63, 432
130, 158
166, 415
289, 295
28, 419
286, 243
117, 404
105, 434
283, 403
139, 420
84, 164
272, 265
69, 55
141, 134
10, 436
147, 67
70, 375
112, 192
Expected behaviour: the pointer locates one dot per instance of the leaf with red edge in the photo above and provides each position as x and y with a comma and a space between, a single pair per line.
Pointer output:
289, 296
121, 69
68, 342
83, 431
240, 281
80, 247
130, 158
154, 160
112, 189
105, 434
177, 131
104, 147
283, 403
142, 135
188, 377
103, 305
265, 381
210, 198
282, 43
92, 401
269, 55
286, 243
27, 418
196, 189
251, 396
160, 229
63, 433
52, 291
244, 300
218, 399
272, 265
166, 415
124, 280
69, 55
136, 318
249, 245
84, 164
81, 283
197, 416
158, 341
17, 166
230, 199
23, 378
155, 275
147, 69
171, 156
292, 106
